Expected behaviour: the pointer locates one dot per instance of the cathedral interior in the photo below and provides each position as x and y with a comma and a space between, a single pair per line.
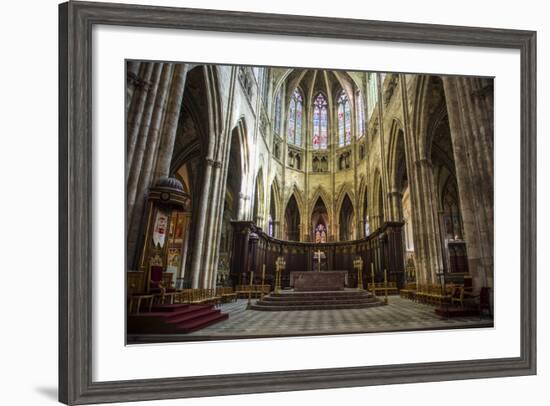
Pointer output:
253, 192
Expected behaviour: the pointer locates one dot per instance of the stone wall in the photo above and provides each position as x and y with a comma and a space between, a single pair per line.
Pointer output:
180, 114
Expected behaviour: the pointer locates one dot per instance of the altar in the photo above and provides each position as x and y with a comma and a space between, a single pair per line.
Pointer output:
318, 281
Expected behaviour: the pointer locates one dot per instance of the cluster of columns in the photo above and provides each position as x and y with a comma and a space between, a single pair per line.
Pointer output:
469, 103
424, 207
470, 119
469, 108
209, 222
156, 91
154, 97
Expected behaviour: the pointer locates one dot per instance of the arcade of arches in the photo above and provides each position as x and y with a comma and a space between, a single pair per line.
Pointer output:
394, 168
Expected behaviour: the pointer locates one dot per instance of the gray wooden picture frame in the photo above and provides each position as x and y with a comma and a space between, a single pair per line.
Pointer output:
76, 20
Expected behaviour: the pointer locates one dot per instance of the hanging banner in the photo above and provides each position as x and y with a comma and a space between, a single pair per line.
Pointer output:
159, 230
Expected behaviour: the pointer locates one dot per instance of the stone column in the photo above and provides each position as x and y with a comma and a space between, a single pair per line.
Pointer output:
473, 153
239, 259
141, 143
429, 223
150, 126
382, 141
276, 228
132, 81
165, 113
166, 148
142, 175
211, 240
242, 205
395, 198
185, 248
374, 221
424, 250
253, 254
220, 175
136, 111
201, 225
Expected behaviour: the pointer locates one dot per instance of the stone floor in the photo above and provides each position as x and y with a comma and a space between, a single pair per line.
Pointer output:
399, 315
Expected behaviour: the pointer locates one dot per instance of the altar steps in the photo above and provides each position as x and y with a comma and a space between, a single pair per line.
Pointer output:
337, 300
174, 319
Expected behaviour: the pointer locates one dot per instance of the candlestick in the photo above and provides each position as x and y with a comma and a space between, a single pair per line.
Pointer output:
385, 286
319, 260
359, 274
372, 277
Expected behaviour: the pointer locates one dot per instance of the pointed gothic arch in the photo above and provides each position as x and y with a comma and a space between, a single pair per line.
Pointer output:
275, 214
259, 199
362, 212
345, 189
346, 219
293, 220
320, 192
320, 221
376, 207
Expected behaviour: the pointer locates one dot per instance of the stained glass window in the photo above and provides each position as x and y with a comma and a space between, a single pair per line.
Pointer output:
320, 233
277, 115
360, 114
344, 120
373, 94
320, 125
295, 118
270, 230
367, 227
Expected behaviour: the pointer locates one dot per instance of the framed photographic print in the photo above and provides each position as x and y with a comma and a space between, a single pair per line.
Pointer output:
258, 202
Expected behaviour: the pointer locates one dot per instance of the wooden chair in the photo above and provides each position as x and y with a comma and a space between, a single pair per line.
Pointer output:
458, 296
138, 299
136, 293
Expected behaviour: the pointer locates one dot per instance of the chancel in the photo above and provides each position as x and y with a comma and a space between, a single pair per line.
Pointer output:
260, 198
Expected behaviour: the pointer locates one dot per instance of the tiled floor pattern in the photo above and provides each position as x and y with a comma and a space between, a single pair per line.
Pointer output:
399, 315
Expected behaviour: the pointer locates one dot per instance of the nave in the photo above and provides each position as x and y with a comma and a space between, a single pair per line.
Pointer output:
244, 182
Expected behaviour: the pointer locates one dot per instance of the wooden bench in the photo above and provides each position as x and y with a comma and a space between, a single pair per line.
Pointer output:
433, 295
255, 291
226, 294
409, 291
198, 296
380, 287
